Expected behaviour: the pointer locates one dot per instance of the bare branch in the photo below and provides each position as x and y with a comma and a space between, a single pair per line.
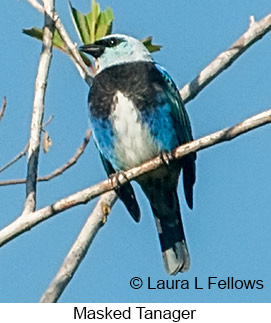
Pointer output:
74, 54
36, 5
38, 107
3, 108
72, 50
47, 122
15, 159
79, 248
23, 224
20, 155
56, 172
13, 181
255, 32
70, 163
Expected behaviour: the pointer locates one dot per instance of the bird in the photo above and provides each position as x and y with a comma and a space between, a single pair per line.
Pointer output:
136, 113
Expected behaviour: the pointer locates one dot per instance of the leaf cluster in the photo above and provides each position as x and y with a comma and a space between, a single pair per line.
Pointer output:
90, 27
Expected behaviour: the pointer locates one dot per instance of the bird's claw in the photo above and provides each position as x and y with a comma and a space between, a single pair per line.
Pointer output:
115, 178
166, 157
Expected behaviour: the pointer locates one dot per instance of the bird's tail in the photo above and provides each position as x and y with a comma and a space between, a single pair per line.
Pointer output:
166, 210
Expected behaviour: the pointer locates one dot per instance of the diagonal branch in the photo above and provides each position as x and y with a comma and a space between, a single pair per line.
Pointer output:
3, 108
38, 108
56, 172
21, 154
79, 248
36, 5
23, 224
70, 162
15, 159
72, 50
256, 31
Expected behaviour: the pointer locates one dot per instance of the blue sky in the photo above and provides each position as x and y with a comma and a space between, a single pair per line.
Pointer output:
228, 231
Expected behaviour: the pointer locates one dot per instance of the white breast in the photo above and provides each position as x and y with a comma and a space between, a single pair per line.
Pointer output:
133, 142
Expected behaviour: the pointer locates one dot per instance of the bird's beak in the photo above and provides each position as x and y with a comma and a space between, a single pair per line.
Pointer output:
94, 50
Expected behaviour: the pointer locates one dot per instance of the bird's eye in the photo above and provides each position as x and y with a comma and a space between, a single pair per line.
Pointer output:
112, 42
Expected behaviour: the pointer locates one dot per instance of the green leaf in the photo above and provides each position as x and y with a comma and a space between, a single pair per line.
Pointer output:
94, 25
95, 13
105, 22
57, 42
150, 46
34, 32
90, 27
81, 24
38, 34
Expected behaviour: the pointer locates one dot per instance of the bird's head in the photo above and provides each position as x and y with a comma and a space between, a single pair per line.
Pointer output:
117, 49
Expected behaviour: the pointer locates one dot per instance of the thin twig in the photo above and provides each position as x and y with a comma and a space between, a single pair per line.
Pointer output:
48, 122
70, 163
72, 50
56, 172
19, 156
256, 31
79, 248
75, 56
38, 107
36, 5
3, 108
15, 159
23, 224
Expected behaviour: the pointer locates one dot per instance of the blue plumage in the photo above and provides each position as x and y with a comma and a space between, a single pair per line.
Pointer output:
137, 113
160, 126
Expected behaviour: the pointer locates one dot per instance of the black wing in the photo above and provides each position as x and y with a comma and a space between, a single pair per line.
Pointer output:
125, 192
184, 132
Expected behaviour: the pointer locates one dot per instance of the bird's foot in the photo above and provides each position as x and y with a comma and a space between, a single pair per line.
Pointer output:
166, 157
116, 180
